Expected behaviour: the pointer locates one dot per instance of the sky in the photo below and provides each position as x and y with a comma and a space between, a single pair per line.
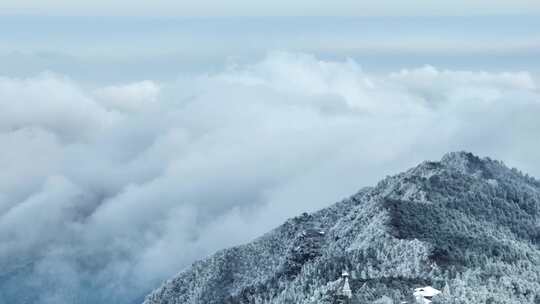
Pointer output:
137, 139
235, 8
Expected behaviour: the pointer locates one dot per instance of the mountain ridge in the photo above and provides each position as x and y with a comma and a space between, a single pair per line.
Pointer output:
466, 223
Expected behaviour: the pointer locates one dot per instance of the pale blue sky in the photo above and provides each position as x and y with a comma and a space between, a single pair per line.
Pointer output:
270, 8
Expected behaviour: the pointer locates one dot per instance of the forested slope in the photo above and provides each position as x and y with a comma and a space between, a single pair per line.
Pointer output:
466, 225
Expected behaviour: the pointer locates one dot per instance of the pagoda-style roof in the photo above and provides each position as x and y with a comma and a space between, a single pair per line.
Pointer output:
344, 289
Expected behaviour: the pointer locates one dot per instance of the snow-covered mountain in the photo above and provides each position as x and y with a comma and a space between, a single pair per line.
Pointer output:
465, 225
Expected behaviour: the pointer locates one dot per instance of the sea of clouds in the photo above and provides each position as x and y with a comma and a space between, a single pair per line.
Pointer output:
106, 191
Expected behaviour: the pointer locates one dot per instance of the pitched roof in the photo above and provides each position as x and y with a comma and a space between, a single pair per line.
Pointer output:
427, 291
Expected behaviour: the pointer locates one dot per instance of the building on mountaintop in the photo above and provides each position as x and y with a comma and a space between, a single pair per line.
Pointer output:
425, 295
312, 232
344, 292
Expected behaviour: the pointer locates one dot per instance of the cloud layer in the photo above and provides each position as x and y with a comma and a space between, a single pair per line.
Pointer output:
106, 191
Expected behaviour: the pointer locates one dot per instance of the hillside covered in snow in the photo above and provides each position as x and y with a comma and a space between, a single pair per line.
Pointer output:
465, 225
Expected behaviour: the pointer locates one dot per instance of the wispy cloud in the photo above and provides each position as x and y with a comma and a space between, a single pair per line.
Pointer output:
106, 49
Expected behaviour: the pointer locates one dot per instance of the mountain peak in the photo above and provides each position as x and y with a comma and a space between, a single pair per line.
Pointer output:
460, 155
465, 162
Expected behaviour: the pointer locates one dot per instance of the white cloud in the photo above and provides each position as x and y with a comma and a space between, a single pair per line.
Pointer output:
136, 181
52, 103
130, 97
